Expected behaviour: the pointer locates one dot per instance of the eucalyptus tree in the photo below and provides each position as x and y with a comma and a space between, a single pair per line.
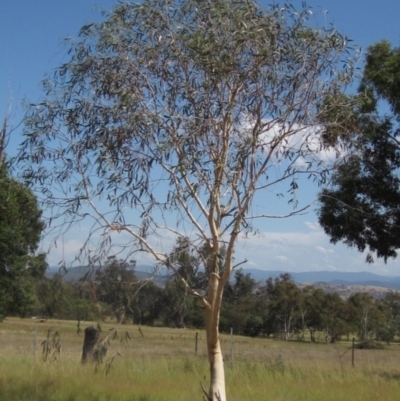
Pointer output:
170, 117
178, 302
3, 141
116, 285
238, 311
361, 207
148, 305
368, 316
330, 314
284, 300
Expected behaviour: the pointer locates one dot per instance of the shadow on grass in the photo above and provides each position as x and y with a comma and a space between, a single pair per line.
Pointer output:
389, 376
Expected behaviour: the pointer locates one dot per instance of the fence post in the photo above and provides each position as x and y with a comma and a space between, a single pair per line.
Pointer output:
352, 353
35, 337
90, 341
231, 350
195, 346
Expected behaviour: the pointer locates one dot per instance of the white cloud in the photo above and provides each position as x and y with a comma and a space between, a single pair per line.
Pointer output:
306, 251
303, 141
313, 226
281, 258
62, 249
323, 250
68, 247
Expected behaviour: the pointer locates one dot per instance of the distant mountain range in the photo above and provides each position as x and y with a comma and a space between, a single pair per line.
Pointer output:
76, 273
330, 277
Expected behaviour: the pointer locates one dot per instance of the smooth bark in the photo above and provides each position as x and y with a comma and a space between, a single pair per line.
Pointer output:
216, 390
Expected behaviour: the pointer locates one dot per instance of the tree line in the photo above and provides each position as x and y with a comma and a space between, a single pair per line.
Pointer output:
277, 308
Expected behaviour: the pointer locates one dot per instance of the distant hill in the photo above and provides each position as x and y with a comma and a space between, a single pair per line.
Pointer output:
333, 278
76, 273
329, 277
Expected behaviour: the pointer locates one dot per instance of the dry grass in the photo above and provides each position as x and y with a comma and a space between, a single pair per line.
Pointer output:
162, 366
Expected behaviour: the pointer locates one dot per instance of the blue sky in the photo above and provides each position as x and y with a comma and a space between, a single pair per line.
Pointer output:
31, 36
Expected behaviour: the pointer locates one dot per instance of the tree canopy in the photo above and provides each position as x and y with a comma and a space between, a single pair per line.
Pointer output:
170, 116
20, 232
116, 285
362, 206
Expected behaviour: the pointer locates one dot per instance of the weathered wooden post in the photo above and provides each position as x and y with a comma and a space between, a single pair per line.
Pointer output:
231, 350
92, 335
35, 337
352, 353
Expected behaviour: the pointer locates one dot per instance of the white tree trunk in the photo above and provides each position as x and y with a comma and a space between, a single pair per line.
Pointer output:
120, 314
287, 324
216, 390
365, 324
327, 335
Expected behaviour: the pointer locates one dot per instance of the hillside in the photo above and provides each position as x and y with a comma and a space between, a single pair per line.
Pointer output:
78, 272
336, 278
344, 283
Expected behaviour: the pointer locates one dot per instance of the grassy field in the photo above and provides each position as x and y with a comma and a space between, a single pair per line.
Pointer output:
162, 365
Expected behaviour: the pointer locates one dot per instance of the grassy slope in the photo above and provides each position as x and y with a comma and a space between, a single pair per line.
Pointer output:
162, 366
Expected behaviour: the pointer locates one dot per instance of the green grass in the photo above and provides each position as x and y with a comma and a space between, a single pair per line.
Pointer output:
162, 366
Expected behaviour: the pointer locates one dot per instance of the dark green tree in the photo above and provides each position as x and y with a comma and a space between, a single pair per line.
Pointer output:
388, 330
51, 295
392, 301
147, 306
239, 309
57, 298
362, 205
283, 304
179, 309
390, 306
116, 285
367, 315
335, 317
20, 232
179, 303
311, 306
